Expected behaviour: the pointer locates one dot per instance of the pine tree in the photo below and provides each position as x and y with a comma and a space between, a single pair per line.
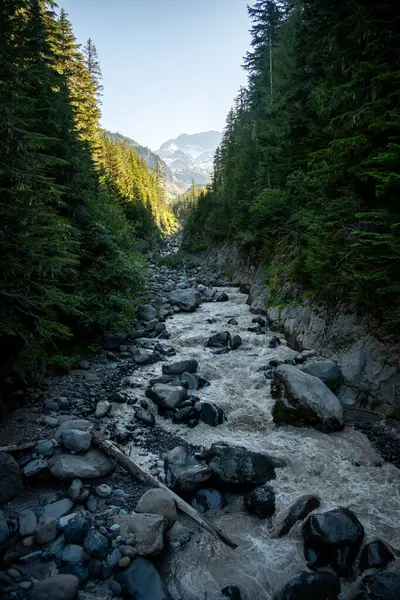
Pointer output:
92, 65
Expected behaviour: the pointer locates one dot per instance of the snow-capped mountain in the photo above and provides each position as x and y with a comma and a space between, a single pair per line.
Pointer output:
190, 156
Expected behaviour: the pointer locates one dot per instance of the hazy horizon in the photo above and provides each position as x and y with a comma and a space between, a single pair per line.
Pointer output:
169, 66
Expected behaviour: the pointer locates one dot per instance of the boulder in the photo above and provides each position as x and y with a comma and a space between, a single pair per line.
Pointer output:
297, 512
102, 408
167, 397
96, 544
27, 522
231, 592
326, 370
58, 587
33, 467
375, 555
148, 530
10, 477
72, 553
311, 586
4, 530
142, 357
187, 300
233, 322
76, 530
333, 539
45, 448
80, 424
158, 502
222, 297
75, 489
235, 342
141, 581
261, 501
238, 466
145, 417
382, 585
211, 414
208, 499
146, 313
302, 399
112, 341
46, 531
179, 367
219, 340
184, 472
90, 465
58, 509
76, 440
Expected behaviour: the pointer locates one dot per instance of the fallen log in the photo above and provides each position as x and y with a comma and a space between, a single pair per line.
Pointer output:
18, 447
127, 463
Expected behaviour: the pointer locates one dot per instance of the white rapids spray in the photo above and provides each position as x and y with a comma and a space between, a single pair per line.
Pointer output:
318, 463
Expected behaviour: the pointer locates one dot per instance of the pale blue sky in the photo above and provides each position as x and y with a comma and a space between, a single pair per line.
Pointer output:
169, 66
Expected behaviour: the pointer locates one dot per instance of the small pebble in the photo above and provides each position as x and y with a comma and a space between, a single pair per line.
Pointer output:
129, 551
115, 528
28, 541
124, 562
25, 585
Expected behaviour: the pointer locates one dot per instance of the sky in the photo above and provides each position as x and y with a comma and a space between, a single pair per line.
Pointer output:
169, 66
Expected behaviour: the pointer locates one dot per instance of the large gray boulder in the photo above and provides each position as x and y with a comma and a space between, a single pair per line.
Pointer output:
302, 399
146, 313
89, 465
183, 471
76, 424
58, 587
10, 477
187, 300
158, 502
148, 530
167, 397
76, 440
177, 368
326, 370
142, 356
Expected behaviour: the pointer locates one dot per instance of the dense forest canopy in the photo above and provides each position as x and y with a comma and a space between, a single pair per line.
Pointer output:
308, 171
73, 204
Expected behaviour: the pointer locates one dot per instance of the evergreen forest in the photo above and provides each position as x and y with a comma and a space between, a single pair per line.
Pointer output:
76, 208
308, 172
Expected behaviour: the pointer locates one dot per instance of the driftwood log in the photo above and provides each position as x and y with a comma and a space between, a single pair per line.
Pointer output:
18, 447
127, 463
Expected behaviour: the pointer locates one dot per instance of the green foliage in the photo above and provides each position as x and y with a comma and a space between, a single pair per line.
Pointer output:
308, 168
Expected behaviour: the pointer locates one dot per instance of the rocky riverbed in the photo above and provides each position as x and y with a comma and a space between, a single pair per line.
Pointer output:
203, 395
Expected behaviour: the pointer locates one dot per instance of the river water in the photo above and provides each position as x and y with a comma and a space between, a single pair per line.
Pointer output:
317, 463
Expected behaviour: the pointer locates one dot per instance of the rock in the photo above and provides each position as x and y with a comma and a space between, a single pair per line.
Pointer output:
114, 587
261, 501
274, 342
75, 490
187, 300
96, 544
218, 340
297, 512
189, 381
326, 370
142, 357
375, 555
160, 327
184, 472
167, 397
55, 550
124, 562
187, 414
238, 466
129, 551
211, 414
76, 530
72, 553
45, 448
259, 321
46, 531
84, 365
179, 367
76, 440
311, 586
58, 587
90, 465
141, 581
80, 424
148, 529
333, 538
10, 477
58, 509
208, 499
303, 399
103, 490
79, 569
27, 522
4, 530
158, 502
222, 297
232, 322
112, 561
145, 417
118, 397
382, 585
235, 342
102, 408
151, 325
231, 592
222, 351
33, 467
146, 313
112, 341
